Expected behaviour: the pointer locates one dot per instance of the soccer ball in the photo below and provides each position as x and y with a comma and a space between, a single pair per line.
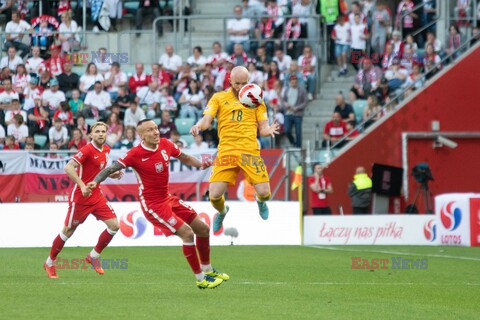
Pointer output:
251, 95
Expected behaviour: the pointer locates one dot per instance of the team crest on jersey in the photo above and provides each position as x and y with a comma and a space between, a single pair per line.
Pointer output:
172, 221
75, 222
159, 167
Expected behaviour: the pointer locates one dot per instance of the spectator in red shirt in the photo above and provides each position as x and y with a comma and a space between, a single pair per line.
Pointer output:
334, 130
77, 139
160, 76
320, 187
10, 144
351, 128
139, 79
65, 114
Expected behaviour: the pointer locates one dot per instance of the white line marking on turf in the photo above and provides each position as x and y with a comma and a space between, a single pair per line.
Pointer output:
398, 252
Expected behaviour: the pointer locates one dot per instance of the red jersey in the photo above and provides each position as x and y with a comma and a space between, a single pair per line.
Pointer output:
151, 167
319, 200
335, 130
91, 160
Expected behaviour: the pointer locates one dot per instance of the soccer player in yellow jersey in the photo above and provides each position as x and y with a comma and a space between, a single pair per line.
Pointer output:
238, 148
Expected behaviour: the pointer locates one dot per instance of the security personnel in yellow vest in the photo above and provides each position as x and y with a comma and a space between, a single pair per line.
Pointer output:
360, 191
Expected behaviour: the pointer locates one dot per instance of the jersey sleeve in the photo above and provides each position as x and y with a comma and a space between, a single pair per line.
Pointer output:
127, 159
174, 150
261, 112
212, 106
82, 155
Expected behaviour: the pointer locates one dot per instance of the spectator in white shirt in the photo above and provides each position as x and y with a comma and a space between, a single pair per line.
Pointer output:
283, 60
15, 30
58, 134
133, 115
191, 101
11, 60
16, 109
238, 30
67, 33
6, 98
18, 129
199, 144
197, 61
359, 32
52, 97
307, 63
170, 61
217, 58
88, 80
114, 79
102, 61
149, 96
97, 102
33, 64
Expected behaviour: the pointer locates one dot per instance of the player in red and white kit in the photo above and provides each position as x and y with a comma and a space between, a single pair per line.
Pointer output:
82, 168
150, 161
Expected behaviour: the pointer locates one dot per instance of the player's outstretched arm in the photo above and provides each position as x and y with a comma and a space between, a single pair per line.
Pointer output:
266, 130
201, 125
71, 170
104, 174
194, 162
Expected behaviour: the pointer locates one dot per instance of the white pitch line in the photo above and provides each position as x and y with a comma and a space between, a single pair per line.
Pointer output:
397, 252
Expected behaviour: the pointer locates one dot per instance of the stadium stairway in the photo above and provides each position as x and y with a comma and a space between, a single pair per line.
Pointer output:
319, 111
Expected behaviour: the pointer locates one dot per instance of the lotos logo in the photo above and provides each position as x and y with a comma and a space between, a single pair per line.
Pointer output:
430, 230
133, 224
450, 218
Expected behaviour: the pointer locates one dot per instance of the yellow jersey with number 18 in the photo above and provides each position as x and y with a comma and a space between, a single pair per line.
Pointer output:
237, 125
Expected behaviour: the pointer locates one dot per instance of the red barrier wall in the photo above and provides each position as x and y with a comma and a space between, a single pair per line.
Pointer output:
453, 100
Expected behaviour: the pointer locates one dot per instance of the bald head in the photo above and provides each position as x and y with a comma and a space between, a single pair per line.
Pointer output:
238, 78
239, 72
360, 170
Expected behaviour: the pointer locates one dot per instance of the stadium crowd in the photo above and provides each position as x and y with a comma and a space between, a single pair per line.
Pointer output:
45, 104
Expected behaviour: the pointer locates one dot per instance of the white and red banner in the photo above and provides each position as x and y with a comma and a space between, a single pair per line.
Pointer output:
386, 229
458, 219
37, 224
26, 177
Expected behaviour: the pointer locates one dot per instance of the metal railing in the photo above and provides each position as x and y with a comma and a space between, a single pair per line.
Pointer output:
399, 96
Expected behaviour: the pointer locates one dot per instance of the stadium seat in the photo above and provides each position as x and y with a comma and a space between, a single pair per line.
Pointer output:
184, 124
40, 139
358, 107
90, 121
157, 121
188, 138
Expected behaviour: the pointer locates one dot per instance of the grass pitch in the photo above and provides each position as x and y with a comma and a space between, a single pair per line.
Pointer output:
267, 282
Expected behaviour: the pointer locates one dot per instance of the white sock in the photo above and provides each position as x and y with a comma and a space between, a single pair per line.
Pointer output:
49, 261
345, 67
94, 254
199, 276
206, 268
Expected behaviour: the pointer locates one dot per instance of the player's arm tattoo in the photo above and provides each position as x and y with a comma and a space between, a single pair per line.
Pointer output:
103, 175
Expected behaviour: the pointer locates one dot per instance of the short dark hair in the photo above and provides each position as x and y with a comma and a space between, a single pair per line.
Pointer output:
142, 122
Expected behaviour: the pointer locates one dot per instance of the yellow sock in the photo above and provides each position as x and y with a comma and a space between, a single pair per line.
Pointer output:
263, 198
218, 204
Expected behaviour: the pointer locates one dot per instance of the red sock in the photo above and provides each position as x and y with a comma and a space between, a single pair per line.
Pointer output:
104, 240
190, 253
57, 246
203, 247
